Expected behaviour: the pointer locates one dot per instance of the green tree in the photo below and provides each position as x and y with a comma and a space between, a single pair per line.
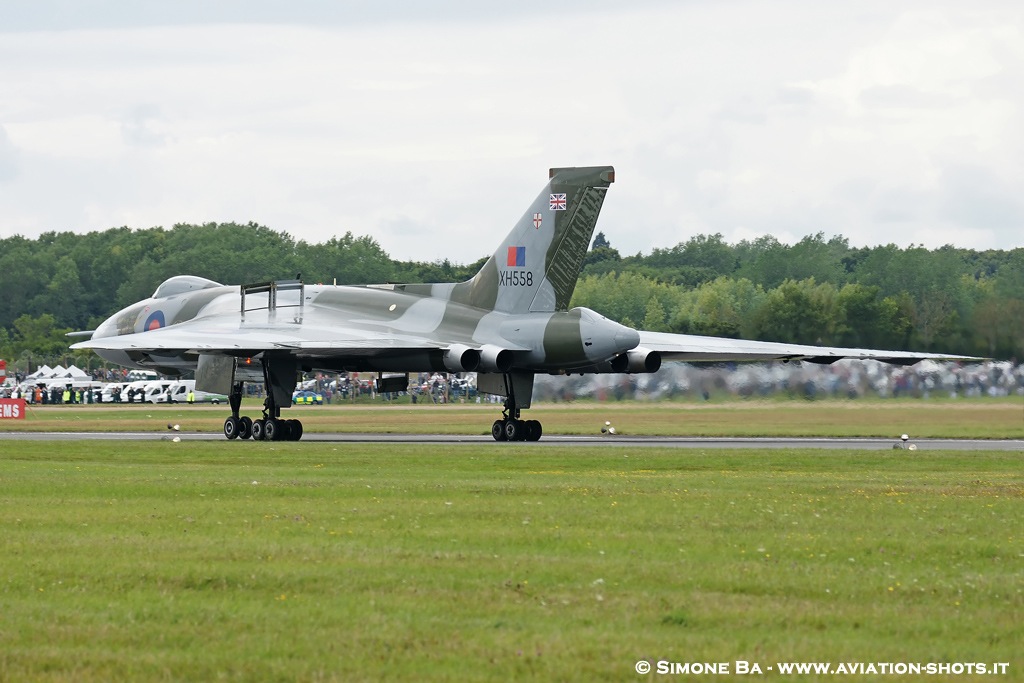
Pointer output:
6, 345
1009, 277
62, 297
722, 308
768, 262
23, 274
40, 335
700, 259
349, 260
608, 258
867, 320
624, 297
654, 316
998, 326
934, 283
799, 312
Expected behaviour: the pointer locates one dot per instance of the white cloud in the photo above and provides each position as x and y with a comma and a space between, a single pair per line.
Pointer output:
433, 133
8, 157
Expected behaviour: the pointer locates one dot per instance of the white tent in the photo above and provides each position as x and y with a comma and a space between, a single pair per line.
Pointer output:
73, 372
41, 373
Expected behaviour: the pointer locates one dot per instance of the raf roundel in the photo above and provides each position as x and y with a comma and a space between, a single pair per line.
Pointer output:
155, 321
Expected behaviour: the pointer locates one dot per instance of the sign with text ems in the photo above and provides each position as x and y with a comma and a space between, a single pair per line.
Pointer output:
12, 409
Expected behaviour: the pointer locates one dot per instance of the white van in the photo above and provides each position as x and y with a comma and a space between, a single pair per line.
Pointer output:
134, 392
111, 390
155, 391
178, 392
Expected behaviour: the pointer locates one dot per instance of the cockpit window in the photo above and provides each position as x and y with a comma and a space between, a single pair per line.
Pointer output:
181, 284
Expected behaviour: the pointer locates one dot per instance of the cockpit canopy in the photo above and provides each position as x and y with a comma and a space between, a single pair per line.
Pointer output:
180, 284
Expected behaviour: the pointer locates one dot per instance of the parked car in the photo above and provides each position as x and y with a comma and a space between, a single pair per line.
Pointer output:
307, 398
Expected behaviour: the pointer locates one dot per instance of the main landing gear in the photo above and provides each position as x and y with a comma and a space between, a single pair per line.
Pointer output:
510, 427
270, 427
262, 429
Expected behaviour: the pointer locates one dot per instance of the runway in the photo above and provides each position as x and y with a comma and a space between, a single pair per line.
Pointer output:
621, 441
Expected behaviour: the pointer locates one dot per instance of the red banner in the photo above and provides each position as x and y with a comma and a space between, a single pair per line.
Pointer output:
12, 409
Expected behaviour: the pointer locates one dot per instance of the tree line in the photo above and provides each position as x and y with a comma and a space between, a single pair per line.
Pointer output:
817, 291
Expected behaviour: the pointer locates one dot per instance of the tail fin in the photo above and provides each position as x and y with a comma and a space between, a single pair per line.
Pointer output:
538, 263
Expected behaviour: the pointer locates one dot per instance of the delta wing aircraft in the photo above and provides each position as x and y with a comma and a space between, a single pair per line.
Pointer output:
509, 322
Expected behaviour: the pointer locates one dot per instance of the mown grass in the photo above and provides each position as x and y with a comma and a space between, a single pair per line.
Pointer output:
937, 418
307, 561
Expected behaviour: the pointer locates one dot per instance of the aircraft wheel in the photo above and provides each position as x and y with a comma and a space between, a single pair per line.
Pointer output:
231, 427
272, 430
498, 430
296, 429
244, 427
259, 430
534, 430
514, 430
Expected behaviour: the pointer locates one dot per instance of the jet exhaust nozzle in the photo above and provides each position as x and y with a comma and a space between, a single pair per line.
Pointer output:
633, 362
495, 359
461, 358
642, 361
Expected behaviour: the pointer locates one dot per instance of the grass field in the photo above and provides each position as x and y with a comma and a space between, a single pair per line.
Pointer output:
937, 418
197, 561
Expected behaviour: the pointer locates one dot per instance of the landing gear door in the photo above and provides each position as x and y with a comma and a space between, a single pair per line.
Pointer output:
281, 373
515, 385
215, 374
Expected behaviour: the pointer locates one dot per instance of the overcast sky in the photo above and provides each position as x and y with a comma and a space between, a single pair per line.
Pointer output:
431, 125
